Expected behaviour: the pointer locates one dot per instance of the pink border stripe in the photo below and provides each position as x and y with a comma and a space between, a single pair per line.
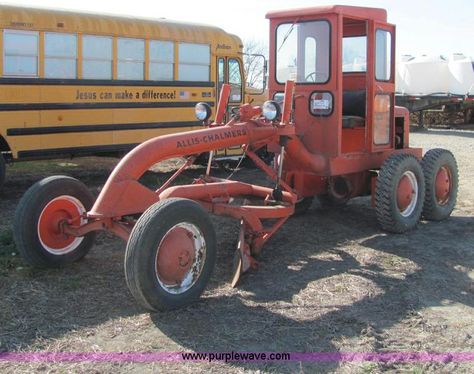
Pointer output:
143, 357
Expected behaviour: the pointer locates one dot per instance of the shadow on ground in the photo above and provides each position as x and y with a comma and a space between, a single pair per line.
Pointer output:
271, 309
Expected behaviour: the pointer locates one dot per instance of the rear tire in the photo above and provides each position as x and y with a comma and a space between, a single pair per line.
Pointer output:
170, 255
38, 216
441, 177
399, 193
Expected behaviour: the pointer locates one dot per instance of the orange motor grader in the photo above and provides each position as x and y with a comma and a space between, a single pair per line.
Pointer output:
335, 133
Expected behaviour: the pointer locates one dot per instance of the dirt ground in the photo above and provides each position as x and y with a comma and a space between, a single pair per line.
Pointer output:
330, 280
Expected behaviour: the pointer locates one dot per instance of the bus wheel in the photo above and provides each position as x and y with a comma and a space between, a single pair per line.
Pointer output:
170, 254
38, 218
441, 176
2, 170
399, 193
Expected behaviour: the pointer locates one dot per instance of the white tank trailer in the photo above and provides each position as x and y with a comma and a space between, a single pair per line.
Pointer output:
436, 82
435, 75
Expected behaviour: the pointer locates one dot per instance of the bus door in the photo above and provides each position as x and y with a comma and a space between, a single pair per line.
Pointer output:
229, 70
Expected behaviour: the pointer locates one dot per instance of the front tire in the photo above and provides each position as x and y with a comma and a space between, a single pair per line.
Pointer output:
399, 193
170, 255
441, 176
38, 217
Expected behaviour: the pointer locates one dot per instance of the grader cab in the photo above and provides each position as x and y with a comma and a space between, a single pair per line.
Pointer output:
335, 134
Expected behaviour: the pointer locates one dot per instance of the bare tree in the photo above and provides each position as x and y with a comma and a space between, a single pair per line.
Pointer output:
254, 64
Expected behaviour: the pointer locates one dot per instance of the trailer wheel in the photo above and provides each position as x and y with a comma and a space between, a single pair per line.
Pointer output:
441, 178
2, 170
399, 193
170, 254
38, 217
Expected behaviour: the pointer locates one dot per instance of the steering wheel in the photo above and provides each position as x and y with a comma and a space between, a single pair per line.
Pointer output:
315, 75
311, 77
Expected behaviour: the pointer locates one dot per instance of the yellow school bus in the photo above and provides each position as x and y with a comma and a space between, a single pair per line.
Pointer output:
73, 84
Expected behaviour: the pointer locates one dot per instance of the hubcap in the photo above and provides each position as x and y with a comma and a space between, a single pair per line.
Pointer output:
180, 258
443, 185
407, 193
58, 210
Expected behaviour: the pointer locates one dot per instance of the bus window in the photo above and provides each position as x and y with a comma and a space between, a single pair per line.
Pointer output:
235, 81
194, 62
131, 58
220, 75
108, 108
96, 57
20, 53
60, 55
161, 64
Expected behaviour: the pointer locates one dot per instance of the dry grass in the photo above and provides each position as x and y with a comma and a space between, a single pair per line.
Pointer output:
329, 281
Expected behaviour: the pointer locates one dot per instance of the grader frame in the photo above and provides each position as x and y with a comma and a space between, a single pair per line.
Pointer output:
327, 143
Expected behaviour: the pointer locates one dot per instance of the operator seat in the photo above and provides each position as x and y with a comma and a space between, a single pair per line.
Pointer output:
353, 109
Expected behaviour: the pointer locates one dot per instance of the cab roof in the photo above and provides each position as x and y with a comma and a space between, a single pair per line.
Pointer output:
375, 14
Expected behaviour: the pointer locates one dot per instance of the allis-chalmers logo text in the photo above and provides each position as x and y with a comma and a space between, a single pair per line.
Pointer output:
210, 138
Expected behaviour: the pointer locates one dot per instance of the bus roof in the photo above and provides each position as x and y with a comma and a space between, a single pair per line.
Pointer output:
38, 19
376, 14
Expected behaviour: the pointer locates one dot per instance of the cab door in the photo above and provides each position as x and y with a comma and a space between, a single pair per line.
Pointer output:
381, 92
229, 70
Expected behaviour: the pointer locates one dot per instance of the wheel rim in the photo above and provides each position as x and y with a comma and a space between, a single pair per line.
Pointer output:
58, 210
180, 258
443, 185
407, 193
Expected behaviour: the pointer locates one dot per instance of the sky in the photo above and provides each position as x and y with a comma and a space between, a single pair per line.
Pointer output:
436, 27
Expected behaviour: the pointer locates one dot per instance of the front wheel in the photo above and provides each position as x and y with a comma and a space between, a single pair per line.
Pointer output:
441, 176
170, 254
399, 193
39, 216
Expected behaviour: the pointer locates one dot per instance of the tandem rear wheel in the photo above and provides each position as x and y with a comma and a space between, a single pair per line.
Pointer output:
38, 218
399, 193
441, 176
170, 254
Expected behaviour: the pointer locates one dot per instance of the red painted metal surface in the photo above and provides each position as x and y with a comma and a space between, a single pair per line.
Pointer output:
343, 10
405, 193
59, 210
443, 185
222, 105
175, 256
287, 102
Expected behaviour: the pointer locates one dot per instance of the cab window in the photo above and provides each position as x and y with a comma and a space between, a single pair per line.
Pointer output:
383, 55
303, 52
354, 54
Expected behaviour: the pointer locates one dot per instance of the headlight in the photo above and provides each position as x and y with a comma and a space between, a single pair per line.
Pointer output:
203, 111
271, 110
